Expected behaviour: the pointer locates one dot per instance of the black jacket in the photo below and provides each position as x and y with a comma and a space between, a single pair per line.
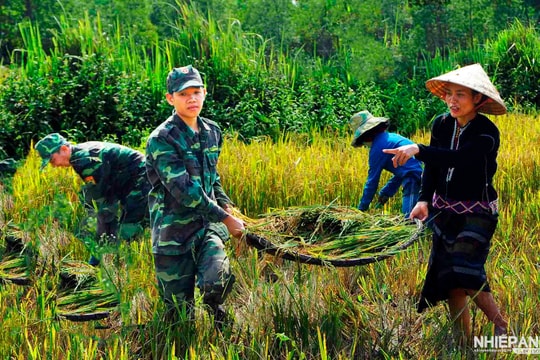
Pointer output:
474, 160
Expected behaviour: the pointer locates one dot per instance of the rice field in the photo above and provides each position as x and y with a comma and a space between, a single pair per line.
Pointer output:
281, 309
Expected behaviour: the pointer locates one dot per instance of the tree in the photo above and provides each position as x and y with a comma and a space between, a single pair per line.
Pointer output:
272, 19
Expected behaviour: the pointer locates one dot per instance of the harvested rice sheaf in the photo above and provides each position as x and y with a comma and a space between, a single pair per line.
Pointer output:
77, 274
334, 232
90, 300
15, 269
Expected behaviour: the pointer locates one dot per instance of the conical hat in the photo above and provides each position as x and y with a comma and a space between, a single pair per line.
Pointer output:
362, 122
474, 77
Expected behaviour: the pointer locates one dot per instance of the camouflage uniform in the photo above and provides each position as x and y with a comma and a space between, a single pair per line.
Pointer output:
8, 167
114, 177
186, 209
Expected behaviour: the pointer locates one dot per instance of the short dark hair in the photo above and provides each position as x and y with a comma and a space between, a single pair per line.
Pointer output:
483, 99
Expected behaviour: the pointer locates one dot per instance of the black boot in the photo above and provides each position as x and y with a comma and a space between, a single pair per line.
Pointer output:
220, 316
214, 296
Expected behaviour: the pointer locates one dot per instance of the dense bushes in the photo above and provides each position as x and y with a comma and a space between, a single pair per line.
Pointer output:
517, 53
86, 98
106, 92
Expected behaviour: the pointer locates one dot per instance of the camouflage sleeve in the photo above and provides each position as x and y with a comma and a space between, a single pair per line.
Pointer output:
170, 167
219, 193
95, 175
221, 197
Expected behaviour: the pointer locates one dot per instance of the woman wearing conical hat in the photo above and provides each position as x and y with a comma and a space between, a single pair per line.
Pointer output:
457, 195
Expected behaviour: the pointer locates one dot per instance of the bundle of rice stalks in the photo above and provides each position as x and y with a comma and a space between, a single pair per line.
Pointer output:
337, 235
14, 268
77, 274
92, 303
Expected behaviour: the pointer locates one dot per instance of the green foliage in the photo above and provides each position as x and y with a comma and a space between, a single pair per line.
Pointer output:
87, 97
14, 12
410, 107
454, 25
273, 109
92, 76
515, 54
272, 19
98, 93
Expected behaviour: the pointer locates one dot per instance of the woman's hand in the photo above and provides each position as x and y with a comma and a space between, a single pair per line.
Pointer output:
420, 211
402, 154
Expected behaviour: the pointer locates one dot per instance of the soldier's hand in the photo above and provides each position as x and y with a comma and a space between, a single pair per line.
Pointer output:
234, 225
228, 208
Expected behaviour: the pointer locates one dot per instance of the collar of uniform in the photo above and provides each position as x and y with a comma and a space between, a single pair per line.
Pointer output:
203, 124
200, 121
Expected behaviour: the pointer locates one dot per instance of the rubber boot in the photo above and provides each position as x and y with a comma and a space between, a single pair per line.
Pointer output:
220, 316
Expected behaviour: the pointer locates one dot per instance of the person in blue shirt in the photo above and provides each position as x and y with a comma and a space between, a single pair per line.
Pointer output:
372, 132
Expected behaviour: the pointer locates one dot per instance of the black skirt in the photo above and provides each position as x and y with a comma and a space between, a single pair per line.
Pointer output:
461, 244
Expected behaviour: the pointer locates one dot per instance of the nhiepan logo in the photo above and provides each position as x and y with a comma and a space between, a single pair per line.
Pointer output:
526, 345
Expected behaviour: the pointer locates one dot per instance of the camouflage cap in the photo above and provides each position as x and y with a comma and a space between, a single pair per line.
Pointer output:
362, 122
182, 78
48, 146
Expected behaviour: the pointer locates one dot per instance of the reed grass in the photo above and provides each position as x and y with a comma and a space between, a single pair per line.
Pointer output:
282, 309
229, 49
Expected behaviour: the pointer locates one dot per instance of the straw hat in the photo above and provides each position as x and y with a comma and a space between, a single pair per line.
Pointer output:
361, 123
474, 77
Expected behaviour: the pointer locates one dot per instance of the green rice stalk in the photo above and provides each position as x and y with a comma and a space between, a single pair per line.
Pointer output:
333, 232
13, 267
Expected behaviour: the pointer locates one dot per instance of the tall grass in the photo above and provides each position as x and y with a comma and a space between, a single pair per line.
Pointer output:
223, 47
281, 310
298, 169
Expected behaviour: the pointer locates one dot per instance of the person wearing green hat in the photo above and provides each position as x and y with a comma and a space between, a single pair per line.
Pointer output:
372, 132
190, 214
115, 182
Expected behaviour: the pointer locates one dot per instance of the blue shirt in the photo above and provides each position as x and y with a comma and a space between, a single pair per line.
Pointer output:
379, 161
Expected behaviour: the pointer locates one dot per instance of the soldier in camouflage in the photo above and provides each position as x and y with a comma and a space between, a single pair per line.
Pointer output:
115, 182
190, 214
8, 167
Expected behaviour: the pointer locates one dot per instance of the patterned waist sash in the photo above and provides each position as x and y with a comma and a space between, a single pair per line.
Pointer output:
465, 206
